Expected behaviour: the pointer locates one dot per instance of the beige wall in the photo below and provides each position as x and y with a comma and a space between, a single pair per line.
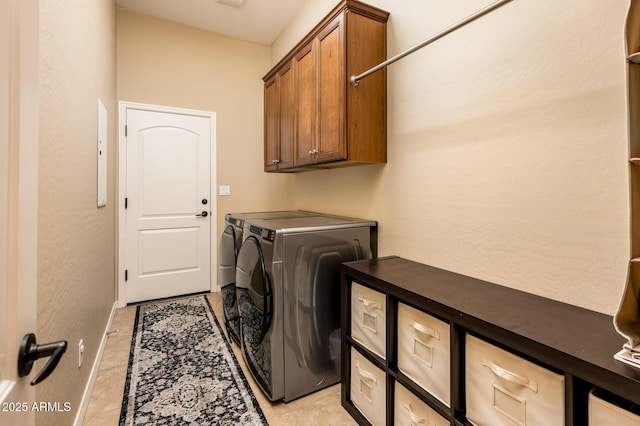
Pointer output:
163, 63
75, 238
507, 149
507, 146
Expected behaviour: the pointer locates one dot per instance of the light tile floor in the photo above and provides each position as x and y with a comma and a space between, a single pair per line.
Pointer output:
320, 408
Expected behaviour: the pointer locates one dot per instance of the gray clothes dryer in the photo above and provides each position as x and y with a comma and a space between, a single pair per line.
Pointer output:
288, 296
230, 243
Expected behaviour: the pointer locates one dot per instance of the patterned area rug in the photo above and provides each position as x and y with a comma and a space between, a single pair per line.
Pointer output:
182, 370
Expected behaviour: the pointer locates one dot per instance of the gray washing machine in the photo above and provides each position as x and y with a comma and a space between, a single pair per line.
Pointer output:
288, 296
230, 243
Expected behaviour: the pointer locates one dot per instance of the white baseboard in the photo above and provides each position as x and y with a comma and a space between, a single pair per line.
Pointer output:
86, 396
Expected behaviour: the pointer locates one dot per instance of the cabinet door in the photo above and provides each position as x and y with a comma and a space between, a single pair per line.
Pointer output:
331, 143
286, 122
271, 124
306, 98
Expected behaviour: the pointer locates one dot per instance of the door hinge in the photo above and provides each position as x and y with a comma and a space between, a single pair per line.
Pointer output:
126, 202
126, 274
125, 130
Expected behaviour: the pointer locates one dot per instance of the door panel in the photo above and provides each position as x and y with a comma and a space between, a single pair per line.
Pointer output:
169, 182
286, 140
155, 259
18, 200
307, 105
168, 177
331, 144
271, 128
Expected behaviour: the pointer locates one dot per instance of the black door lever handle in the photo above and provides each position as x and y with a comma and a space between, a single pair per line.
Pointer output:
30, 351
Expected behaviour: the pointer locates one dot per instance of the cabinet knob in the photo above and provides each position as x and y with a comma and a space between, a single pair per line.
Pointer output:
313, 152
275, 161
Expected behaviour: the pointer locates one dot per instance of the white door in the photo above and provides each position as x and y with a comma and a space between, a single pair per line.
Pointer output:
18, 200
168, 204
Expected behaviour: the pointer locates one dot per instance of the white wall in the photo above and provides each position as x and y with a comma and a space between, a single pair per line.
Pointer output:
507, 146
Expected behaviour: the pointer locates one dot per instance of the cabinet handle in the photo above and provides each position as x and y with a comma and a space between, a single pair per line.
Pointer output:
313, 152
415, 419
275, 161
510, 375
370, 303
425, 330
365, 374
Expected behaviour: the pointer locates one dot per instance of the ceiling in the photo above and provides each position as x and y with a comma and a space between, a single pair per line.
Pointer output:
258, 21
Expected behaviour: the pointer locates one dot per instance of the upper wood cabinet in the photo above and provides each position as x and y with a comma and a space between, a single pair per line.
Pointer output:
313, 116
279, 120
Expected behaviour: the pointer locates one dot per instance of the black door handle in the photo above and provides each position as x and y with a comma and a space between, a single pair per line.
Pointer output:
31, 351
203, 214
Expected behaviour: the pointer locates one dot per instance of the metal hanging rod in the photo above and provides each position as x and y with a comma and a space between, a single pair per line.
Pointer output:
355, 79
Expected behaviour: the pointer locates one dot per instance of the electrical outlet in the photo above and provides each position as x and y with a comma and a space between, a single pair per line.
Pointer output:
80, 352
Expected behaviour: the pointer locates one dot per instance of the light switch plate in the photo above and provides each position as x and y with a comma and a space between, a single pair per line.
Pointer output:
225, 190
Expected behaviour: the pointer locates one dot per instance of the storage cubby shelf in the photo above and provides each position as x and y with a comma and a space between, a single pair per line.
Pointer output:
569, 340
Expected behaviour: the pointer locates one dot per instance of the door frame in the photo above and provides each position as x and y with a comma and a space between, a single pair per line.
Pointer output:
123, 106
19, 141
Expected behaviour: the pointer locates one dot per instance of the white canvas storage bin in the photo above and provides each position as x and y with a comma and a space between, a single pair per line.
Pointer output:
603, 413
409, 410
424, 351
368, 388
503, 389
369, 318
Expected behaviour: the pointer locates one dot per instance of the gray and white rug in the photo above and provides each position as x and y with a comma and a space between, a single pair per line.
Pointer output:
182, 370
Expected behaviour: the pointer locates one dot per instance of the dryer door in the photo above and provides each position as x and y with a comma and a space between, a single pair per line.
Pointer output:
255, 305
317, 299
312, 306
228, 254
